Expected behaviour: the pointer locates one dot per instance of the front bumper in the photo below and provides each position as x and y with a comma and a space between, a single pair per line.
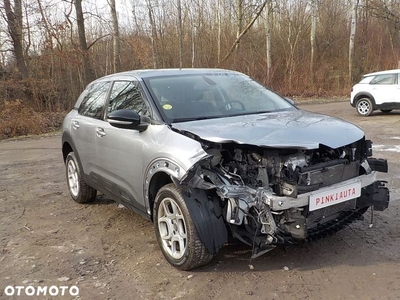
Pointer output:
279, 203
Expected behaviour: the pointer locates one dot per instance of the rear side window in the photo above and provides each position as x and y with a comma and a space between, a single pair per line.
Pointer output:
126, 95
93, 103
384, 79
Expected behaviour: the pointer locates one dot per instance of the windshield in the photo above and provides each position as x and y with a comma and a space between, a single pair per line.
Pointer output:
214, 95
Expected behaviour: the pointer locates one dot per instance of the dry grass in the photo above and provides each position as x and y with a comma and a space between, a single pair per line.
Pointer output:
18, 119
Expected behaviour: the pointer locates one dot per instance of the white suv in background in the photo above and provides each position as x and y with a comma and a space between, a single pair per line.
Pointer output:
379, 90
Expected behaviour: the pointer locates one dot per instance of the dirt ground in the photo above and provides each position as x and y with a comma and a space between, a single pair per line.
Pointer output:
109, 252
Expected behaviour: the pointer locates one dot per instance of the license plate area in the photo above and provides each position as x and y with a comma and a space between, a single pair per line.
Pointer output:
334, 196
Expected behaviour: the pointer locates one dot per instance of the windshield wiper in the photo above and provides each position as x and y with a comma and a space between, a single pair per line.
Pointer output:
194, 119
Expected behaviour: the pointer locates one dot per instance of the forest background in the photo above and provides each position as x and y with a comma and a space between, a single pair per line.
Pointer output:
51, 49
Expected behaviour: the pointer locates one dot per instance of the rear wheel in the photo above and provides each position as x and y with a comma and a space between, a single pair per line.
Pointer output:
386, 111
364, 106
78, 189
175, 231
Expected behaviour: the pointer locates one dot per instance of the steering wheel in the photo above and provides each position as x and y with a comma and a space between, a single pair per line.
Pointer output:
228, 106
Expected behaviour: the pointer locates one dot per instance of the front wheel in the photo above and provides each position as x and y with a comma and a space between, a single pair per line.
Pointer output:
78, 189
175, 231
364, 107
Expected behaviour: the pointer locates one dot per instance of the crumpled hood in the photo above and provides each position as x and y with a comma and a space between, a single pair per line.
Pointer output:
288, 129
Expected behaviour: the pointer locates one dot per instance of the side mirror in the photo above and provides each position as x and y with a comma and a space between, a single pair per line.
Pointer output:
126, 119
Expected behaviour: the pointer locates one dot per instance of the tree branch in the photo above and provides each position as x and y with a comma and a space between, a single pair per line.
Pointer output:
243, 33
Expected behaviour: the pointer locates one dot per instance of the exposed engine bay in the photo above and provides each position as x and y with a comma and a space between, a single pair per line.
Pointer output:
265, 194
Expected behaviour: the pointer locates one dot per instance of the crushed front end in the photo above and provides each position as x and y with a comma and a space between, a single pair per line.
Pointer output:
272, 196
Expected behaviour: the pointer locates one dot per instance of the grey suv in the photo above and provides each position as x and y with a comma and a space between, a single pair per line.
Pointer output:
204, 153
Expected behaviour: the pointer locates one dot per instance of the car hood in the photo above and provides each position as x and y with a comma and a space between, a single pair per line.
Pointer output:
288, 129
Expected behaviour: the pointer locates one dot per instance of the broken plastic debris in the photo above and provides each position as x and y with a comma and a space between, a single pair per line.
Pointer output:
64, 279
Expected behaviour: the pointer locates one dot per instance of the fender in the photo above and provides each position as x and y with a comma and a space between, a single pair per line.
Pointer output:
207, 218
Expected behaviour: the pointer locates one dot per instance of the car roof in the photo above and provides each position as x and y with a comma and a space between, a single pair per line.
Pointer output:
148, 73
383, 72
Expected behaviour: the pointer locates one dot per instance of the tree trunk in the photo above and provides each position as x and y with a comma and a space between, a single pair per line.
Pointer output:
153, 36
239, 4
88, 77
312, 38
180, 33
116, 37
268, 15
14, 22
219, 37
353, 28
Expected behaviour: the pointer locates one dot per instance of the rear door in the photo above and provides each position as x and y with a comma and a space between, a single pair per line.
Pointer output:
385, 88
85, 123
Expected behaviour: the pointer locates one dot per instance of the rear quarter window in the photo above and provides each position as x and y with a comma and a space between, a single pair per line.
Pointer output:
366, 80
384, 79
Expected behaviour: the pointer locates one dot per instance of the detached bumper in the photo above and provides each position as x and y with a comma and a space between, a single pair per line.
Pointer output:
278, 203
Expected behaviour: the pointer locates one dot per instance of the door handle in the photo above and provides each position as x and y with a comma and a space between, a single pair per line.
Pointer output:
100, 132
75, 124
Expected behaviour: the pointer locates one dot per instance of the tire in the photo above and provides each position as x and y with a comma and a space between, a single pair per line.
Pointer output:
364, 107
175, 231
78, 189
386, 111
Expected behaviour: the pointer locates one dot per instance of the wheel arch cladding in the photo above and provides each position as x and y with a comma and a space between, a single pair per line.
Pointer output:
361, 95
66, 149
207, 218
156, 183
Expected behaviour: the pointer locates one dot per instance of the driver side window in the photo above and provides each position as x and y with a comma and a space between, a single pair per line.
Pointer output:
126, 95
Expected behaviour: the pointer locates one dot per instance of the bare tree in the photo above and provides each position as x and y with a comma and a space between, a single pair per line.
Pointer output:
15, 28
88, 77
219, 34
245, 30
180, 33
353, 28
240, 16
268, 17
153, 35
116, 37
312, 38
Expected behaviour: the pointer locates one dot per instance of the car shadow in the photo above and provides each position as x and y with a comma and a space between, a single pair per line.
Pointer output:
101, 200
379, 113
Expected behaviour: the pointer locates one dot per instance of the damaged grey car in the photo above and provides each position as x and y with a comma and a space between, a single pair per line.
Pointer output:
207, 153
